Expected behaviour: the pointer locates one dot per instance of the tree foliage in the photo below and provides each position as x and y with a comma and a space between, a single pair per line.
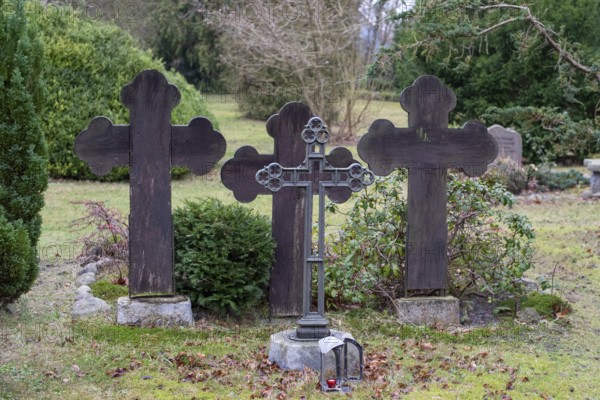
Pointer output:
539, 62
87, 64
186, 42
23, 176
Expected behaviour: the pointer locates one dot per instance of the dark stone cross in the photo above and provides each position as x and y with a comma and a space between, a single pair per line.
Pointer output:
316, 176
150, 145
427, 148
238, 175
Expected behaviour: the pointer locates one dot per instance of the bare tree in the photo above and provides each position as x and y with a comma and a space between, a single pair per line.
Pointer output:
311, 49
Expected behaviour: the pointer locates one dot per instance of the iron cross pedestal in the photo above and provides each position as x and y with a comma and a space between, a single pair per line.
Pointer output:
316, 175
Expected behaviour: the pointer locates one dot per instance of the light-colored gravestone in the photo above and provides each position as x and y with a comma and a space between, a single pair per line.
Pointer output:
593, 164
510, 143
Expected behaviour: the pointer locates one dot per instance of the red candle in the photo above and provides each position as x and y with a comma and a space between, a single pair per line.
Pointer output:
331, 383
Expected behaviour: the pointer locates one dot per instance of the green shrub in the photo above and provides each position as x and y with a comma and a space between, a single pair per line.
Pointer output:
23, 176
88, 62
507, 173
223, 254
18, 263
548, 180
489, 248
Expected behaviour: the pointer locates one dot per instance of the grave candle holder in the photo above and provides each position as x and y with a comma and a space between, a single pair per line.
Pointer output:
341, 362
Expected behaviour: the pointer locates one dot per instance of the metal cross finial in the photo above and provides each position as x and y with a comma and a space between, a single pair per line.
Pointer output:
314, 170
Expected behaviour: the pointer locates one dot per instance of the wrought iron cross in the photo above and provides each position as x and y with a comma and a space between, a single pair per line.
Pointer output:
238, 175
150, 145
316, 175
427, 148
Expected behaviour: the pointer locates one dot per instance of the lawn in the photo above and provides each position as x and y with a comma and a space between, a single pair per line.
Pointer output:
47, 356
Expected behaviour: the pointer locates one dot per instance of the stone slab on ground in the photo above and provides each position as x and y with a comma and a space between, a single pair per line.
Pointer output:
294, 354
89, 306
429, 311
155, 311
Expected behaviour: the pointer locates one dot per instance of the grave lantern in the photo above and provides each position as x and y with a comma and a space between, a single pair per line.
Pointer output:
341, 362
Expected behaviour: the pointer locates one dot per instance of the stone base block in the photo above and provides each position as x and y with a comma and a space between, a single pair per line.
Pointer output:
294, 354
429, 311
155, 311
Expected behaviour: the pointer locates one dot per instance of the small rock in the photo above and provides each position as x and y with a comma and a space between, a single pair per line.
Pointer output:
535, 198
89, 306
86, 279
11, 309
530, 285
83, 289
92, 267
89, 260
103, 263
529, 315
81, 296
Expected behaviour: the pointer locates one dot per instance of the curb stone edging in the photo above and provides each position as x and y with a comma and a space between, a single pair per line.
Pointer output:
86, 304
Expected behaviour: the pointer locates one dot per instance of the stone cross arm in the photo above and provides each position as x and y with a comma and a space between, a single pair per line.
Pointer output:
104, 146
386, 148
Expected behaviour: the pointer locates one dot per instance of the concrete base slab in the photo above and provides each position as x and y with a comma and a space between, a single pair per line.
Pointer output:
429, 311
155, 311
295, 354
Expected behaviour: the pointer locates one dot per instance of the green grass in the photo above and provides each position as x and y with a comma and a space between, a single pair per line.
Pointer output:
43, 354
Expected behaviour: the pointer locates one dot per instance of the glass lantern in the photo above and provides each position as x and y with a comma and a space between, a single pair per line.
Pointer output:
341, 362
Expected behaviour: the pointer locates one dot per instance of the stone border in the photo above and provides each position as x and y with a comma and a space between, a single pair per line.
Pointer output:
86, 304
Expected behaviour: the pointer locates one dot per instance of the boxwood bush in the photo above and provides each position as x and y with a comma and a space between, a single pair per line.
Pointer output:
23, 176
87, 64
223, 255
18, 262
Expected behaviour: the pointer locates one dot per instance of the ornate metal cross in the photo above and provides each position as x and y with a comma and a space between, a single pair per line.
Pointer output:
238, 175
150, 145
427, 148
316, 175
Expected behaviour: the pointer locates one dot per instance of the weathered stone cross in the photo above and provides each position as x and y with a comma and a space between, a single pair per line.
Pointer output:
238, 175
427, 148
150, 145
315, 175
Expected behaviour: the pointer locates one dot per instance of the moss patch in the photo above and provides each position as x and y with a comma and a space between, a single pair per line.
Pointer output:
547, 305
108, 291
